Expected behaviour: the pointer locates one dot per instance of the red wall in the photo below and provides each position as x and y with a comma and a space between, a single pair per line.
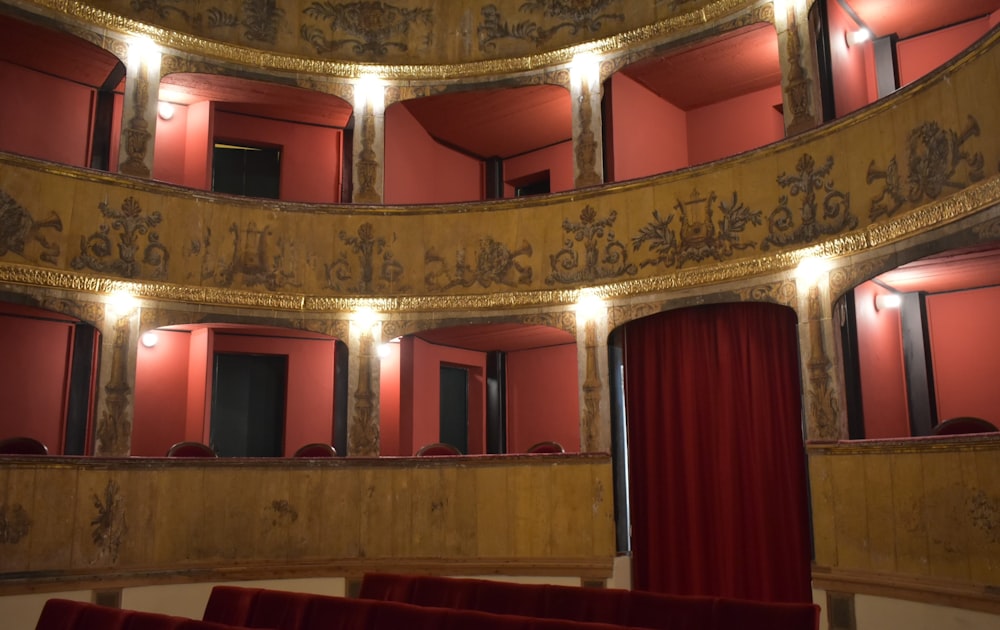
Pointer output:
198, 146
880, 353
310, 154
389, 401
160, 401
852, 67
420, 393
543, 398
556, 159
45, 117
170, 149
650, 135
34, 374
734, 126
173, 385
922, 54
965, 352
419, 170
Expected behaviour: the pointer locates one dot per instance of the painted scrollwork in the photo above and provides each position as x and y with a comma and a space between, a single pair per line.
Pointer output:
369, 28
934, 157
700, 238
18, 229
15, 523
599, 263
260, 19
576, 17
110, 526
258, 259
128, 224
340, 274
817, 216
495, 263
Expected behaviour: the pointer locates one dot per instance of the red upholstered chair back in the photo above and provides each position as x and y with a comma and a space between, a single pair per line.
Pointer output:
95, 617
316, 449
749, 615
963, 425
191, 449
546, 447
437, 449
22, 446
278, 610
59, 614
230, 604
138, 620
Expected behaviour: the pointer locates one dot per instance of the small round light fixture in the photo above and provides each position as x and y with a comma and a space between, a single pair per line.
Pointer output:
149, 338
165, 110
887, 300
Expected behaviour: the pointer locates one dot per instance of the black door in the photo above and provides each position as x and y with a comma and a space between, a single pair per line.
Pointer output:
455, 407
248, 405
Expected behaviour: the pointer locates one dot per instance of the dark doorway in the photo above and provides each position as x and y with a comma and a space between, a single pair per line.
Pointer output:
455, 407
246, 170
248, 405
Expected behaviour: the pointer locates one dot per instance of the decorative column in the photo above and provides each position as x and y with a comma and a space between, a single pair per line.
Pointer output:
592, 370
800, 85
363, 383
588, 140
369, 141
119, 348
822, 379
142, 87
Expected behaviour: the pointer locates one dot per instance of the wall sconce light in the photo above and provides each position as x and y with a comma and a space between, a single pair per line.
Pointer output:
589, 306
383, 350
165, 110
887, 300
585, 68
365, 318
122, 302
149, 339
860, 36
369, 91
142, 48
811, 268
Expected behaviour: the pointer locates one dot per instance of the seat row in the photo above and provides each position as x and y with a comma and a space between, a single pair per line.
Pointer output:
636, 609
65, 614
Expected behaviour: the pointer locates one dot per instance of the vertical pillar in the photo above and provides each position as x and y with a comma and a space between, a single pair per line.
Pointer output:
369, 141
592, 368
363, 383
824, 402
800, 83
119, 346
588, 138
142, 87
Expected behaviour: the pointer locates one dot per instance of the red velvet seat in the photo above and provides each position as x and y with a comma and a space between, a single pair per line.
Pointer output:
139, 620
278, 610
546, 447
59, 614
316, 449
438, 449
22, 445
191, 449
230, 604
964, 425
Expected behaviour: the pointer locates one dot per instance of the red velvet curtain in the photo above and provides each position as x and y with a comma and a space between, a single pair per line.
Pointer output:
717, 468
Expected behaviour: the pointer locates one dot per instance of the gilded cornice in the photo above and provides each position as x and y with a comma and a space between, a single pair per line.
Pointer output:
254, 57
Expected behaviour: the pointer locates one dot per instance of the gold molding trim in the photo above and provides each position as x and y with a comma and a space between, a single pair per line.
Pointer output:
183, 42
948, 444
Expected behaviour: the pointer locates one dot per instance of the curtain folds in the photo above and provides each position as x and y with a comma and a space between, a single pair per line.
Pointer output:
717, 470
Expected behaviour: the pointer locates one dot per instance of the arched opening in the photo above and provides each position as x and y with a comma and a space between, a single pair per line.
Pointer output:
479, 144
921, 345
521, 385
48, 378
182, 370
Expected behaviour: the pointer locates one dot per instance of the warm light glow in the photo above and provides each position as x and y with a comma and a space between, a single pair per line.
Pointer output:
122, 302
589, 306
365, 318
149, 338
142, 48
811, 269
585, 68
887, 300
369, 91
166, 110
383, 350
858, 37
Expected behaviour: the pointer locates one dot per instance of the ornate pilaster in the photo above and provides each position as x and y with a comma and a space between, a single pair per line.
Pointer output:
363, 385
592, 362
142, 87
800, 85
369, 143
119, 345
822, 378
588, 140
